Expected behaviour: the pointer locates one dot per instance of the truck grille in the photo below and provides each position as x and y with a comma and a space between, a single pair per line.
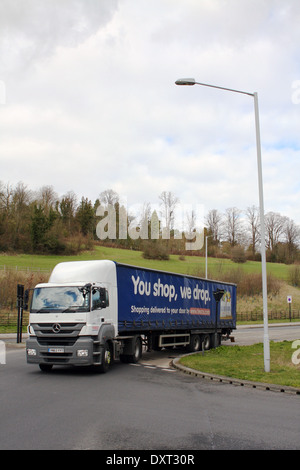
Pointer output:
64, 334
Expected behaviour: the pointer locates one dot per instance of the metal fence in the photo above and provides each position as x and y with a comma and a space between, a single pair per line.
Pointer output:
10, 319
272, 315
27, 269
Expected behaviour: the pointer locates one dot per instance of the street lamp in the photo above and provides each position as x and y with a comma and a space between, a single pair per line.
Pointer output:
207, 236
192, 81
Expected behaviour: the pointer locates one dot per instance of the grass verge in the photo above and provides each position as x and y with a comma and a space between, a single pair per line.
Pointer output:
247, 363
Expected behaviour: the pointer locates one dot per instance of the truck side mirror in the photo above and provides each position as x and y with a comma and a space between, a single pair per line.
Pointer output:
101, 298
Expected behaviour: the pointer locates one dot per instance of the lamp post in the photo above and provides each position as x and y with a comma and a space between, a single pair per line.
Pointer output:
192, 81
207, 236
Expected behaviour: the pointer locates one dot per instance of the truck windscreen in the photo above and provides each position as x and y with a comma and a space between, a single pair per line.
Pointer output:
60, 299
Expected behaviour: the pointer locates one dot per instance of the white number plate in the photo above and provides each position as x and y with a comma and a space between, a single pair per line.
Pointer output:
56, 350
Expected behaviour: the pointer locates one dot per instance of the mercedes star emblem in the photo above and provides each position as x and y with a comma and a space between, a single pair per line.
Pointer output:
56, 328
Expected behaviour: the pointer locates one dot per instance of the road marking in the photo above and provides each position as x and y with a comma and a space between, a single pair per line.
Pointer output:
146, 366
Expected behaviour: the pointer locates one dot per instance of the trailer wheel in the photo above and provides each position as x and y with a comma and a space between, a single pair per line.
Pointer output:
194, 343
106, 359
206, 342
137, 351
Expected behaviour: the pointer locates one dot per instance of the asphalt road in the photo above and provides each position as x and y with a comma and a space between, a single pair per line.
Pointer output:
147, 406
246, 335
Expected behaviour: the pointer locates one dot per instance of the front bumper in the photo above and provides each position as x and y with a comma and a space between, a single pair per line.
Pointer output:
79, 353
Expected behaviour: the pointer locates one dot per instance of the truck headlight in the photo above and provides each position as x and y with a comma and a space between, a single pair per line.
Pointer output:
31, 352
82, 352
30, 330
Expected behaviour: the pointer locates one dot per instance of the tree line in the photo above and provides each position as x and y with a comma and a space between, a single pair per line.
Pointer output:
239, 231
42, 222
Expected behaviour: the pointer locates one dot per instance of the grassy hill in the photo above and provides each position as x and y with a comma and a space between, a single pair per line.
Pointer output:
192, 265
221, 269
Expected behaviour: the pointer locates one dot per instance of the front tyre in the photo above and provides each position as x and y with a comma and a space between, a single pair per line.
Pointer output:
106, 358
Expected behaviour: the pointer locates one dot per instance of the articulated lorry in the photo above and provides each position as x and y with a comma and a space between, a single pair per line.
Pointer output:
96, 312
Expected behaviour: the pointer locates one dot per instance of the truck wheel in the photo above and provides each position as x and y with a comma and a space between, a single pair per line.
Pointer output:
106, 359
137, 351
194, 343
45, 367
206, 342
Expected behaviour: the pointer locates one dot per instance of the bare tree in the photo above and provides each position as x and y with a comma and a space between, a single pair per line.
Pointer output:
291, 233
109, 197
47, 198
168, 204
275, 224
233, 230
213, 222
6, 194
252, 215
21, 197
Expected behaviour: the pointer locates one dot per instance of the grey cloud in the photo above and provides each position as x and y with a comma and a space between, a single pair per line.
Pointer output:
30, 29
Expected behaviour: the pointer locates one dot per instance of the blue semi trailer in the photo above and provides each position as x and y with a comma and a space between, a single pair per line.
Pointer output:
95, 312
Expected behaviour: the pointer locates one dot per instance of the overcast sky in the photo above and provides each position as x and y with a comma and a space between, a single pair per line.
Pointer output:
88, 99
